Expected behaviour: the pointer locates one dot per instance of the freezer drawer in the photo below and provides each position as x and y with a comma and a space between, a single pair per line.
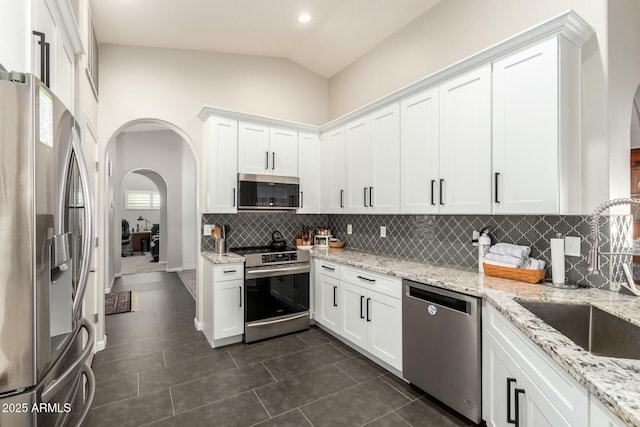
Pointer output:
441, 346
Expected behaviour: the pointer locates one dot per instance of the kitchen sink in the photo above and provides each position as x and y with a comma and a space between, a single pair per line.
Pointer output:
595, 330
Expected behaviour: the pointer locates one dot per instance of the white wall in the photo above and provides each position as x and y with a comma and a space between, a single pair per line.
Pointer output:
190, 222
137, 182
624, 78
160, 151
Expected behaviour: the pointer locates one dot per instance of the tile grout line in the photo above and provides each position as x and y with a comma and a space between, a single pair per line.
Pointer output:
233, 360
400, 416
272, 376
335, 392
398, 390
260, 400
164, 358
346, 373
173, 408
305, 416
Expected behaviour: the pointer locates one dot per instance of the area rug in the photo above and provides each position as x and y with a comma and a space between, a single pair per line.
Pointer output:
120, 302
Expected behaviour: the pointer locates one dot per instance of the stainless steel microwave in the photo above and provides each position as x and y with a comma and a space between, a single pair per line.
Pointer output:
268, 192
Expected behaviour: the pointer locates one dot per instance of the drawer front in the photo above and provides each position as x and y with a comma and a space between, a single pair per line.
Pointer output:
391, 286
224, 272
328, 268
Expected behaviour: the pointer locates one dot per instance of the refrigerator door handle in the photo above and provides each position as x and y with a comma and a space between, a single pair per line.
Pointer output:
54, 387
88, 220
91, 384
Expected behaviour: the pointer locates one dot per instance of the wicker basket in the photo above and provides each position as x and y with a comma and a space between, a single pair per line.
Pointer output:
529, 276
336, 244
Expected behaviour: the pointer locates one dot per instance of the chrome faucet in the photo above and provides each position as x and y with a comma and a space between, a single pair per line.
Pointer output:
593, 258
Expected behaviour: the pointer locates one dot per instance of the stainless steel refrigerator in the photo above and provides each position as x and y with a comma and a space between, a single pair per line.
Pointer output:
45, 249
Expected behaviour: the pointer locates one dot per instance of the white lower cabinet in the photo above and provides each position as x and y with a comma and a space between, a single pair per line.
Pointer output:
521, 384
327, 294
223, 293
600, 416
371, 319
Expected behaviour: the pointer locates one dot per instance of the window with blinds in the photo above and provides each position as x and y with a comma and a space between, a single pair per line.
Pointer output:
143, 200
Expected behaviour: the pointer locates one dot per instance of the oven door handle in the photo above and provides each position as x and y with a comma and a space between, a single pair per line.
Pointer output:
271, 322
272, 272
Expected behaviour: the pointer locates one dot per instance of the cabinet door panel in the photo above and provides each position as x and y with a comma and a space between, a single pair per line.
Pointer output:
254, 155
497, 368
465, 143
284, 152
329, 303
228, 309
353, 322
221, 148
333, 175
525, 131
385, 160
358, 182
385, 328
308, 170
420, 128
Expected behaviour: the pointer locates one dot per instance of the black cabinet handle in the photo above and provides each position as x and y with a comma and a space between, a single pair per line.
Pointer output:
365, 197
371, 197
433, 202
367, 279
273, 160
301, 199
240, 289
441, 185
234, 197
44, 57
328, 268
510, 420
229, 271
519, 391
361, 306
266, 159
342, 198
368, 318
335, 303
495, 183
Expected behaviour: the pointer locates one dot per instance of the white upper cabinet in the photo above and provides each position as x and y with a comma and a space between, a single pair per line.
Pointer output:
284, 152
358, 140
221, 171
384, 191
49, 54
464, 185
332, 174
309, 170
536, 149
373, 162
263, 150
253, 148
420, 145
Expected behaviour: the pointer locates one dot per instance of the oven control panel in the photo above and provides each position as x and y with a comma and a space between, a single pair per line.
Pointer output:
279, 257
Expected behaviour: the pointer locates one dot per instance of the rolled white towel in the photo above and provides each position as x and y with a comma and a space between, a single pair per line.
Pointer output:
517, 251
534, 264
499, 263
509, 259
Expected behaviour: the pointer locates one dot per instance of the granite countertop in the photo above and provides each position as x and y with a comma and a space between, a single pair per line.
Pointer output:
616, 382
225, 258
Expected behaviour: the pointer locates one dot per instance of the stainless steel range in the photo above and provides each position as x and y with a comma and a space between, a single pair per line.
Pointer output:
276, 290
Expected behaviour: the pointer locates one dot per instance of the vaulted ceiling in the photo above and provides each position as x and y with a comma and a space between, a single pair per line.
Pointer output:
339, 31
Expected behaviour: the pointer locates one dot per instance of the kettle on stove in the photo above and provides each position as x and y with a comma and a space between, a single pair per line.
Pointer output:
278, 241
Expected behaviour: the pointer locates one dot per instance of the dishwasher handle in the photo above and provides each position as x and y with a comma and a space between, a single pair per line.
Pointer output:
452, 303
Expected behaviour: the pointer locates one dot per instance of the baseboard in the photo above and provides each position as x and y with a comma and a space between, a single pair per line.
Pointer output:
197, 324
173, 269
101, 344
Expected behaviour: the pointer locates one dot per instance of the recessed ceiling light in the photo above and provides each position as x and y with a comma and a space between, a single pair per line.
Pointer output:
304, 18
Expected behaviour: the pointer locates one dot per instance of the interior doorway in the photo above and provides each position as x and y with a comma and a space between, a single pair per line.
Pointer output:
635, 180
143, 217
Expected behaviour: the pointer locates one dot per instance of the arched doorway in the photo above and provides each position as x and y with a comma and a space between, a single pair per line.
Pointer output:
153, 148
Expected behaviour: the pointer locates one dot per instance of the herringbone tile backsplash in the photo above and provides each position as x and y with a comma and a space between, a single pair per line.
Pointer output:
443, 239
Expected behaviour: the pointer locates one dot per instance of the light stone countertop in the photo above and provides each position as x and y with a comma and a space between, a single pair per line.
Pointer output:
616, 382
225, 258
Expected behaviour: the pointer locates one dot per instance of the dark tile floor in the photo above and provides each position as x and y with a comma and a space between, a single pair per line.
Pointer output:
157, 370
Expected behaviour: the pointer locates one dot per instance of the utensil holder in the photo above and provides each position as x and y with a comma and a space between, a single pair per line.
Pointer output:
219, 246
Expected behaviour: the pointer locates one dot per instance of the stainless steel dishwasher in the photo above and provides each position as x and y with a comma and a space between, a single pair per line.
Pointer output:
441, 346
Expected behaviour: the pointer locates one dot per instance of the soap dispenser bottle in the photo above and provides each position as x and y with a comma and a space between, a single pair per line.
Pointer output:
484, 244
557, 259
